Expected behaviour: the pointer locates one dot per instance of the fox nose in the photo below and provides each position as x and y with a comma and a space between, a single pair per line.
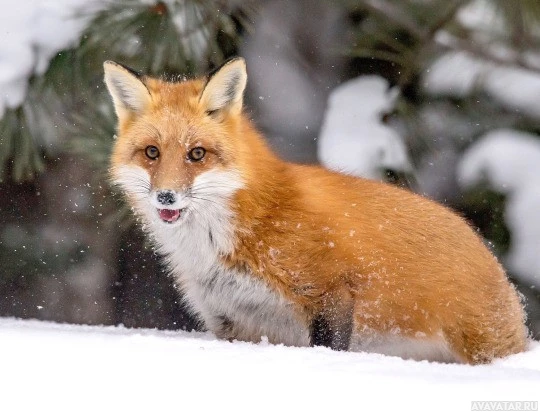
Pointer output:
166, 197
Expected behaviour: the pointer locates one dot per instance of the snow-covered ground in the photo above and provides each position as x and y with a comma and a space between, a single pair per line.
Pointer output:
59, 368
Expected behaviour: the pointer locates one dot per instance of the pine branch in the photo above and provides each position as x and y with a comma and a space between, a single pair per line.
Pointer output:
177, 36
444, 18
395, 15
20, 156
430, 42
453, 43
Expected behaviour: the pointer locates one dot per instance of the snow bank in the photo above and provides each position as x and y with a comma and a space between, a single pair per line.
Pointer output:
510, 162
482, 16
33, 31
353, 138
458, 74
60, 368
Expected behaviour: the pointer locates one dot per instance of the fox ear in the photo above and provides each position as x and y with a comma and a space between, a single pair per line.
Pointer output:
128, 92
224, 89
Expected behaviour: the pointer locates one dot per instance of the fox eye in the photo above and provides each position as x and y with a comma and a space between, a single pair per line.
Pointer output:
196, 154
152, 152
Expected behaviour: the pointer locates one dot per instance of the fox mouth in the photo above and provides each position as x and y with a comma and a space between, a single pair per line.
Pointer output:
170, 215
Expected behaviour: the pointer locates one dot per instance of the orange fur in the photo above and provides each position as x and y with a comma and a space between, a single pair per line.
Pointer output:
396, 262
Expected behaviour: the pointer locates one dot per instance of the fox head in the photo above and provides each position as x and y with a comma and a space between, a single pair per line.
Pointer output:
177, 155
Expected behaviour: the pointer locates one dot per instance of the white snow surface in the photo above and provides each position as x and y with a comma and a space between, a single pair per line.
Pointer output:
33, 31
50, 367
509, 161
353, 138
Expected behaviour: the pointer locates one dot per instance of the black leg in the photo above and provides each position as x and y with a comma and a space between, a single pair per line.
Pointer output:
325, 333
320, 332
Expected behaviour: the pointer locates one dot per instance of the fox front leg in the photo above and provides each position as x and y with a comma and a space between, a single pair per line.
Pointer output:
332, 325
324, 332
223, 327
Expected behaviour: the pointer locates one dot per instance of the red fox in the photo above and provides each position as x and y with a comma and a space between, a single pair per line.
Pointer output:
301, 255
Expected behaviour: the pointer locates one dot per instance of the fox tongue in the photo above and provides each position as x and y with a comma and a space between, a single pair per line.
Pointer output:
169, 215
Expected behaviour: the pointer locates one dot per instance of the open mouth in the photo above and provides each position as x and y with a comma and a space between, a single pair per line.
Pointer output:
169, 215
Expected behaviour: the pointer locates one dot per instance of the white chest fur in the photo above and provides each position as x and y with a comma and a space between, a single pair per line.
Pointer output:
231, 303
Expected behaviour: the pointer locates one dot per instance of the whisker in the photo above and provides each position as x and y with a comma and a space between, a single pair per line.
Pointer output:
211, 185
204, 199
210, 196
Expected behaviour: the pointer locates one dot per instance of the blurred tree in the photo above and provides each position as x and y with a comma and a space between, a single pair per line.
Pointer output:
176, 36
410, 34
67, 121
